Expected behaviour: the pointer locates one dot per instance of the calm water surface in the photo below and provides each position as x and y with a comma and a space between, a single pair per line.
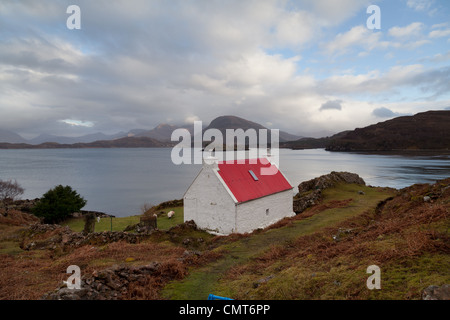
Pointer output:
120, 181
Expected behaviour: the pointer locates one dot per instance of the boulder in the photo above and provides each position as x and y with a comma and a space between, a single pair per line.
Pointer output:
310, 192
329, 181
437, 292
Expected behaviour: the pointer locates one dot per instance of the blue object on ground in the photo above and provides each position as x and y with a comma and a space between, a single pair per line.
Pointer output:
214, 297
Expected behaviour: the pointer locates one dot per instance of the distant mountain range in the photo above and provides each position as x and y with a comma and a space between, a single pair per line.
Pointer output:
11, 137
424, 131
156, 137
127, 142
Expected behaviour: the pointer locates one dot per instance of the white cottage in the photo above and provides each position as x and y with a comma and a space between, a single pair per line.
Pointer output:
230, 197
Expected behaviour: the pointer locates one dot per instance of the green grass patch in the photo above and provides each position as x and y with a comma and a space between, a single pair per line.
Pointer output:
120, 223
407, 278
164, 223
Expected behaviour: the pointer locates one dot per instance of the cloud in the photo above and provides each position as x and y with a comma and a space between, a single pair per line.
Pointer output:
191, 119
419, 5
384, 113
358, 36
439, 33
433, 80
78, 123
331, 105
439, 25
334, 12
412, 29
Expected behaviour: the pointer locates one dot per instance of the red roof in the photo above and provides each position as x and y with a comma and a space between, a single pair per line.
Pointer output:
244, 186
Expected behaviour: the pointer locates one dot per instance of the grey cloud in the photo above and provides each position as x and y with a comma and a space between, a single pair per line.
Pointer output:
384, 113
331, 105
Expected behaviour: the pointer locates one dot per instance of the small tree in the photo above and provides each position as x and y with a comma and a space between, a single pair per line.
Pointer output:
10, 190
58, 203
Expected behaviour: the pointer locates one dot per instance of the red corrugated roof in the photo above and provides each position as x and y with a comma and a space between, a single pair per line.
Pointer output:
244, 187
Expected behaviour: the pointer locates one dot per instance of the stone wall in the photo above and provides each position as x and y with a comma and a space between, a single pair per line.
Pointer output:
63, 237
108, 284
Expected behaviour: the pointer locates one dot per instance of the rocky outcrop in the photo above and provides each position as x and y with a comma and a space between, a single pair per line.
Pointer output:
305, 200
108, 284
329, 180
437, 292
310, 192
169, 204
19, 205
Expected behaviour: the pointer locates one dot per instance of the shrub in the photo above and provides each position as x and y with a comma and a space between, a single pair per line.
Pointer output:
10, 189
58, 203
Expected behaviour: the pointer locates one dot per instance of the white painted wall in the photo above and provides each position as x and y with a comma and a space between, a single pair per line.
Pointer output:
251, 215
208, 203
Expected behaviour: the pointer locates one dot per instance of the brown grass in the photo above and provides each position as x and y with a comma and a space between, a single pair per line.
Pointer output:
31, 274
400, 229
17, 218
149, 289
26, 278
369, 227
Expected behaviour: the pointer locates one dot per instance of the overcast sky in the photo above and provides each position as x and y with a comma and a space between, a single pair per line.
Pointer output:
306, 67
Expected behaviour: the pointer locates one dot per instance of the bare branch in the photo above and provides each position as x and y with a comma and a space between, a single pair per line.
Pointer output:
10, 190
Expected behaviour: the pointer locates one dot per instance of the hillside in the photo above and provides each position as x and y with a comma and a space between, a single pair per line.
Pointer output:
311, 143
43, 138
424, 131
127, 142
163, 132
321, 253
160, 136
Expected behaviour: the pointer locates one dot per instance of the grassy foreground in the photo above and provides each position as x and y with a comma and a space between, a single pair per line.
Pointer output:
344, 202
322, 253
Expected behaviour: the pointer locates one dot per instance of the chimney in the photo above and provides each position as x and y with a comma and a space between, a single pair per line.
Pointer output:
210, 162
269, 155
